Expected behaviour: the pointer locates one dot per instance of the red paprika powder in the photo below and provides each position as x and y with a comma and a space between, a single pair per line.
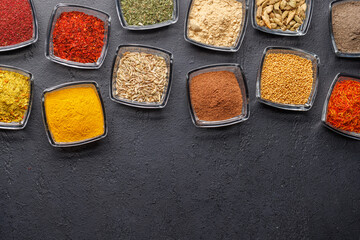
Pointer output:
78, 37
16, 22
344, 105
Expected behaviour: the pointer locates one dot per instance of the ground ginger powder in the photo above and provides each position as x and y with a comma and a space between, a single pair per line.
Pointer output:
74, 114
215, 22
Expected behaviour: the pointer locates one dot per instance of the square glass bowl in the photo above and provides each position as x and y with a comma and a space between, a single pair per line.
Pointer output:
34, 37
339, 77
298, 52
49, 48
125, 25
240, 37
301, 31
146, 49
336, 50
22, 124
91, 84
230, 67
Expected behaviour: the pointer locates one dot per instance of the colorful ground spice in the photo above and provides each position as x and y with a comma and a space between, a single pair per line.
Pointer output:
215, 22
142, 77
344, 105
216, 96
147, 12
74, 114
78, 37
286, 79
14, 96
16, 22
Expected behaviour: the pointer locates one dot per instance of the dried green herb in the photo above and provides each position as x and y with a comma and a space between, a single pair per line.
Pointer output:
147, 12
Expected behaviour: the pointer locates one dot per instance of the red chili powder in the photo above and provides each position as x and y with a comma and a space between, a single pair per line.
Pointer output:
16, 22
78, 37
216, 96
344, 106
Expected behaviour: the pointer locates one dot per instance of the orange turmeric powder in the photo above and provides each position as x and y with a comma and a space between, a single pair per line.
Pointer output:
74, 114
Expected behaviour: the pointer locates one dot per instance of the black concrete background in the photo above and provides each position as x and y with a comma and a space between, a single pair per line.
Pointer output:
280, 175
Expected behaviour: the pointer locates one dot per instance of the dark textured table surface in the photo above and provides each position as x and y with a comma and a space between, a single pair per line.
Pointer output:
280, 175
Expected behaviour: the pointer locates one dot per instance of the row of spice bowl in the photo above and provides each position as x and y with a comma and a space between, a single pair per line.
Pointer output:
16, 100
286, 18
281, 17
291, 87
212, 76
345, 121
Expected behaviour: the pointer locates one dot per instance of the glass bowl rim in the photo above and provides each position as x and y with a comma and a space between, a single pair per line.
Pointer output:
32, 40
348, 134
14, 126
332, 37
73, 64
280, 32
47, 130
290, 107
241, 35
126, 26
140, 105
222, 123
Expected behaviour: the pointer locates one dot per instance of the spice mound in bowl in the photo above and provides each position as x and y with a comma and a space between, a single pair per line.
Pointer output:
146, 12
17, 24
141, 76
215, 23
218, 96
288, 79
73, 114
346, 27
78, 37
14, 97
285, 15
342, 109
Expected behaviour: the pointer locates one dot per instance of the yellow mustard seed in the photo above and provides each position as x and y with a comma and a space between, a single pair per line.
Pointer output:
286, 79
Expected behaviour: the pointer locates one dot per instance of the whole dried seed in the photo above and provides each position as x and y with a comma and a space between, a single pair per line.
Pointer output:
141, 77
281, 14
286, 79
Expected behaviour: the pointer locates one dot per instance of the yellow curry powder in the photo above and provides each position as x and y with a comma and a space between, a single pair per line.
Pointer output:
14, 96
74, 114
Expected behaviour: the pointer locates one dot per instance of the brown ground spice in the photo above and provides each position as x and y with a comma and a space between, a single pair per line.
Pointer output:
346, 26
216, 96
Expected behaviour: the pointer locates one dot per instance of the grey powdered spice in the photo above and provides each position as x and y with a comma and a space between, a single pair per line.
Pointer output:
346, 26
